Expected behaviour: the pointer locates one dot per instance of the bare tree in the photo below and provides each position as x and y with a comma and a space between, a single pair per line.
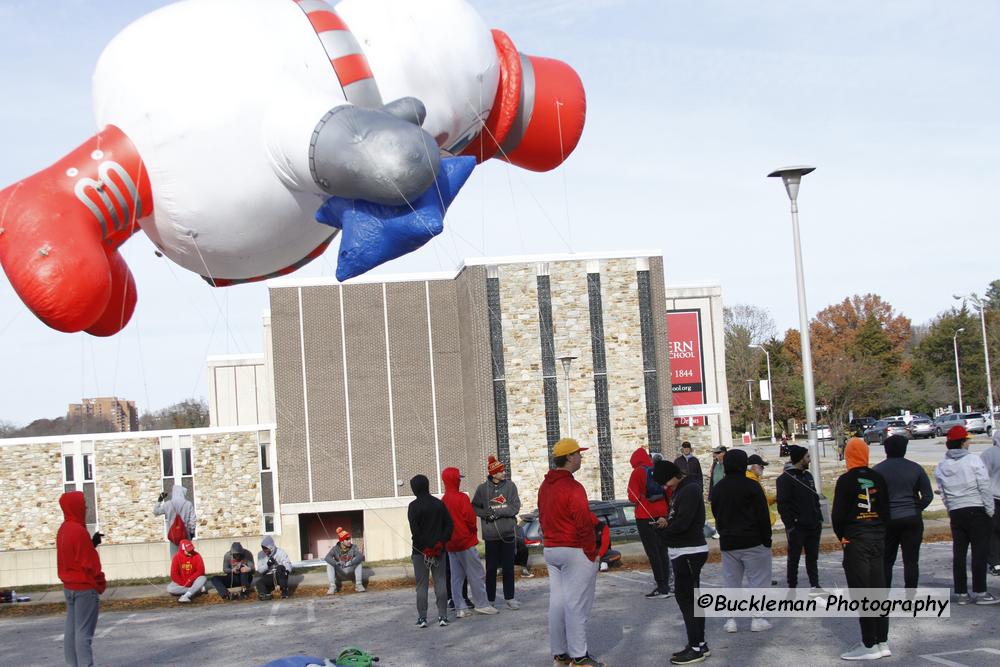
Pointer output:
745, 325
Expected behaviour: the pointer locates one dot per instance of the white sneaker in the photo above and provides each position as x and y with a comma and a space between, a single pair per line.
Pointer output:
526, 573
730, 625
817, 592
463, 613
715, 535
513, 604
332, 590
760, 625
489, 610
184, 598
862, 652
359, 588
883, 648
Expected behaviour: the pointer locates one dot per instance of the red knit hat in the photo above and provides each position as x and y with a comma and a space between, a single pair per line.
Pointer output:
956, 433
342, 535
494, 466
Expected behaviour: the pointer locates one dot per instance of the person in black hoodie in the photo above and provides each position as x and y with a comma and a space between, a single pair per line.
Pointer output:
860, 512
909, 495
684, 536
798, 506
430, 526
744, 524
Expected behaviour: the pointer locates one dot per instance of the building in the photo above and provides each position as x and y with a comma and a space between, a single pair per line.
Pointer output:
363, 385
120, 413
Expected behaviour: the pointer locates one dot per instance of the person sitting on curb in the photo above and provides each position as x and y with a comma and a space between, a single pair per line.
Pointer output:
274, 566
237, 568
187, 573
343, 562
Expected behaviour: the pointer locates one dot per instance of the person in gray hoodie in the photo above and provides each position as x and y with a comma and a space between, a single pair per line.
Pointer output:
274, 566
909, 495
991, 459
238, 569
173, 505
497, 503
965, 489
343, 562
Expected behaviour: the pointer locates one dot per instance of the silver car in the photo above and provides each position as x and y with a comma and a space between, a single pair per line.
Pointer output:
921, 427
974, 422
883, 428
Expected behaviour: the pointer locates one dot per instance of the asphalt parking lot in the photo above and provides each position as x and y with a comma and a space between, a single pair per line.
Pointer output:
625, 630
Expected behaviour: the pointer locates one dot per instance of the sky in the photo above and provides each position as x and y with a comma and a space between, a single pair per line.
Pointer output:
690, 105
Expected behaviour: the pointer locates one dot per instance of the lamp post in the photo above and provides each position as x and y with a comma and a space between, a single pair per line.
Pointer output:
770, 389
567, 361
978, 303
792, 177
750, 408
958, 374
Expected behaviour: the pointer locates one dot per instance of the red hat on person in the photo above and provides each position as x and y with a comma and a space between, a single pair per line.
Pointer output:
342, 535
494, 466
957, 433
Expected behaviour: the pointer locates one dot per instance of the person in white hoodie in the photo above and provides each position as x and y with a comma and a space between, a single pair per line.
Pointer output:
177, 504
274, 566
991, 459
965, 489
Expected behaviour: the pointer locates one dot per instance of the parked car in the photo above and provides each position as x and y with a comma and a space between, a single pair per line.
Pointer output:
921, 427
859, 425
972, 421
618, 514
883, 428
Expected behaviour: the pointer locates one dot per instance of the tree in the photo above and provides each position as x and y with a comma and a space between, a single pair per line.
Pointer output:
745, 325
992, 297
189, 413
934, 358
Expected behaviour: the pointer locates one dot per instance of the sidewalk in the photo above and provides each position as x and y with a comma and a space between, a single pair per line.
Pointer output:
314, 582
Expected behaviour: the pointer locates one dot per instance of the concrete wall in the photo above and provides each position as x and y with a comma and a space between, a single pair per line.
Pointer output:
239, 390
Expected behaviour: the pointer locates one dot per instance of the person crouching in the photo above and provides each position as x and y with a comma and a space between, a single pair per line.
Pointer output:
274, 566
187, 573
343, 562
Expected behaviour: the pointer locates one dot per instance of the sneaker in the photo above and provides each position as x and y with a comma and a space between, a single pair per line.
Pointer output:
994, 570
589, 661
560, 660
451, 605
360, 588
264, 596
818, 592
184, 598
689, 657
760, 625
705, 651
962, 598
244, 594
332, 590
442, 621
655, 594
986, 598
526, 573
681, 652
715, 535
730, 626
421, 622
285, 593
883, 648
463, 613
226, 596
513, 604
862, 652
489, 610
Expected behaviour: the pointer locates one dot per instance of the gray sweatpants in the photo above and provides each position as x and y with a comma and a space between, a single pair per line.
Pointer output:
81, 621
466, 565
336, 574
420, 575
752, 566
572, 577
191, 591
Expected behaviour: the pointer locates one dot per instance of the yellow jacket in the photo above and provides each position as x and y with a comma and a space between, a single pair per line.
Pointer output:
771, 500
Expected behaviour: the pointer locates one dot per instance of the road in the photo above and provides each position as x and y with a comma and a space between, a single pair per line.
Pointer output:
626, 630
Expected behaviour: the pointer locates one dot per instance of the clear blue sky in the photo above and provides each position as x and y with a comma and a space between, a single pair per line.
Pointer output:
691, 104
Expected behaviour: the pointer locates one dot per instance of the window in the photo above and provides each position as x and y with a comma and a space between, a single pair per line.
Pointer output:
168, 462
177, 456
267, 482
68, 468
264, 439
79, 474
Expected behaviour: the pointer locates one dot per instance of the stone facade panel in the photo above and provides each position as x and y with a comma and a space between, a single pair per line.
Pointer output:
31, 495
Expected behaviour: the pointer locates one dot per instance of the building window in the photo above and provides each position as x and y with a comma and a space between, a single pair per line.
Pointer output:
549, 380
264, 439
604, 446
265, 443
177, 464
649, 362
499, 374
79, 475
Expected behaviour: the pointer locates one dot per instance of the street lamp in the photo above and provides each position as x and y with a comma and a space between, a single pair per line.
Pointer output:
792, 177
750, 409
567, 361
958, 375
971, 296
770, 390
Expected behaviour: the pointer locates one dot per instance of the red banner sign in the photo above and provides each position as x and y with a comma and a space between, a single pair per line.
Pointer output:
687, 365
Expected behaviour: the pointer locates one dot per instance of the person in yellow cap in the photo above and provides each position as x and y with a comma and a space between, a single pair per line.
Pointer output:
570, 548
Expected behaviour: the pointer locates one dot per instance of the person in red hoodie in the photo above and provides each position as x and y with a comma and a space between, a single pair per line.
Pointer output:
462, 555
187, 573
571, 554
79, 569
649, 508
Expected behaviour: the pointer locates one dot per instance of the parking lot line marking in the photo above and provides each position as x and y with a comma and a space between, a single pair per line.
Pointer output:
107, 631
273, 618
937, 657
624, 578
311, 611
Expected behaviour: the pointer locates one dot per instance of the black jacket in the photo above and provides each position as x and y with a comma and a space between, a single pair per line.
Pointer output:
430, 522
798, 502
686, 519
740, 507
860, 504
690, 467
909, 487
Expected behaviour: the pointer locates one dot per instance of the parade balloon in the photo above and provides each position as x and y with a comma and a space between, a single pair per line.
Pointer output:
241, 136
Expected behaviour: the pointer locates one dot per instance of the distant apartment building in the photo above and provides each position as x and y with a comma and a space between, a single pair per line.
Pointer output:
120, 413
